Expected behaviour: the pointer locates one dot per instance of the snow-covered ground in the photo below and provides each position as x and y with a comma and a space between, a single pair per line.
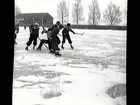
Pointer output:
81, 76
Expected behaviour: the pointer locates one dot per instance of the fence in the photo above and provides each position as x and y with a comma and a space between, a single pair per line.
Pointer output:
103, 27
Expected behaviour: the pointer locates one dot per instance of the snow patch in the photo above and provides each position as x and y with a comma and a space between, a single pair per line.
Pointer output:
31, 78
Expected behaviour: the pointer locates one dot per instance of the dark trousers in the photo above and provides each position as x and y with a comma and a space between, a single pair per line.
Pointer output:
66, 37
45, 41
15, 36
55, 42
32, 39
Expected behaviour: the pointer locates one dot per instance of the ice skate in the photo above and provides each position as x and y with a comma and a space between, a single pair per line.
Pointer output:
26, 48
62, 47
52, 52
38, 49
71, 46
57, 54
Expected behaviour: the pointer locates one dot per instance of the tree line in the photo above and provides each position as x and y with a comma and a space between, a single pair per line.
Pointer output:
112, 15
17, 10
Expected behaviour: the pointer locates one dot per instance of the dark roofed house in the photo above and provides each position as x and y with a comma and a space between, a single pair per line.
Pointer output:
29, 18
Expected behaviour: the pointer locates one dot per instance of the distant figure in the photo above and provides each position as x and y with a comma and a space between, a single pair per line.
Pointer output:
16, 31
25, 27
65, 34
34, 33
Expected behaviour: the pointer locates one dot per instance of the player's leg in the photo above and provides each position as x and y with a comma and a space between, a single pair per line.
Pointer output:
15, 36
49, 44
34, 42
63, 41
41, 44
52, 50
55, 46
70, 42
29, 42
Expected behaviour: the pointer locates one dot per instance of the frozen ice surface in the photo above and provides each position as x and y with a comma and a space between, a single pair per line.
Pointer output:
83, 74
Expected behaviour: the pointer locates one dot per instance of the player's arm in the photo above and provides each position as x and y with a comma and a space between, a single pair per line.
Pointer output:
72, 31
44, 31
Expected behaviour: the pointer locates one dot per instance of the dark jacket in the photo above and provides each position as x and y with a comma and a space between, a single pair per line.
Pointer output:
31, 28
54, 32
66, 31
54, 38
34, 30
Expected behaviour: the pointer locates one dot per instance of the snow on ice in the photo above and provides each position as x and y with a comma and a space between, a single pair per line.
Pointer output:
81, 76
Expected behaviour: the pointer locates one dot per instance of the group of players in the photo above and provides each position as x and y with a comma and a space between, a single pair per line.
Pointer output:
52, 37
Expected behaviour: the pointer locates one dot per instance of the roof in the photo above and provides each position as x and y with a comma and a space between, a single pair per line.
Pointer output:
31, 15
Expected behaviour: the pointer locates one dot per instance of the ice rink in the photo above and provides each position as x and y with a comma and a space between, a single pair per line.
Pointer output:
81, 76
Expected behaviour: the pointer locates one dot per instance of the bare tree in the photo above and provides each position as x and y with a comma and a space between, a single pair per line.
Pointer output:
62, 12
77, 13
17, 10
125, 16
112, 14
125, 13
94, 13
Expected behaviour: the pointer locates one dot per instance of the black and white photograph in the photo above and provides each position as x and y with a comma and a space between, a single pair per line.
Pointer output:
70, 52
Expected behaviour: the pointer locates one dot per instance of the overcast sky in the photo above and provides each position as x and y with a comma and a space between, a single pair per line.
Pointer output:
50, 6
